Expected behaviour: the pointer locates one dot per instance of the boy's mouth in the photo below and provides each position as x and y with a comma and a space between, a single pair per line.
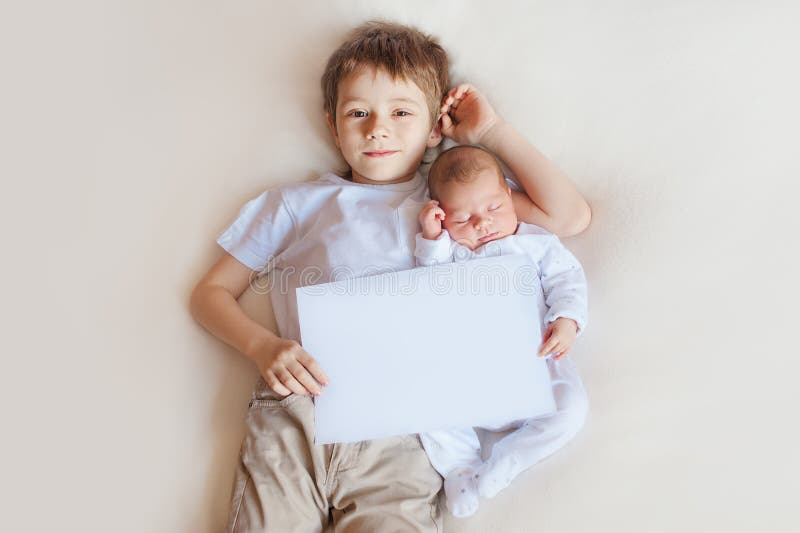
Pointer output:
380, 153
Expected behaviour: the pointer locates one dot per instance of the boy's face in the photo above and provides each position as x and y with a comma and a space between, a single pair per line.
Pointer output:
382, 126
479, 211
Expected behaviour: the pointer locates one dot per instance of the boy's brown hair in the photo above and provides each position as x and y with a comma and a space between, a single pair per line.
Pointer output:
461, 164
404, 52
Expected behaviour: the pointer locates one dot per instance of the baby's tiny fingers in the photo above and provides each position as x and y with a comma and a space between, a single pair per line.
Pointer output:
556, 348
547, 347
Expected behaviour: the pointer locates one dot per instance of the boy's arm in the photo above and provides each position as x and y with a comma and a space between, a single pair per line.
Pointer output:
285, 366
552, 201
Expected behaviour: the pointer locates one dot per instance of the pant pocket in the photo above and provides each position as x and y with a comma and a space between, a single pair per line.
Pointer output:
271, 402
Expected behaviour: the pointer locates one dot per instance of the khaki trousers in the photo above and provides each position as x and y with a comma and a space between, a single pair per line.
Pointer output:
285, 483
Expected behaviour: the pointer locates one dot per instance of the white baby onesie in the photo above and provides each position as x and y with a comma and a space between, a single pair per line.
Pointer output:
456, 454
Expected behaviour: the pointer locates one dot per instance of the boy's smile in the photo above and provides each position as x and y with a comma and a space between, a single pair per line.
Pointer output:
380, 153
382, 126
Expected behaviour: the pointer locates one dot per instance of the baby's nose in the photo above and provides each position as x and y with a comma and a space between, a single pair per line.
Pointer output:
483, 222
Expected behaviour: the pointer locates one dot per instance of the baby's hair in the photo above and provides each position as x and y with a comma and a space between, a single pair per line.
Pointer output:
461, 164
404, 52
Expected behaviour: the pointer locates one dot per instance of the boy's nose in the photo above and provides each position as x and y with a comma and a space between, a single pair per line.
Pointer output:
377, 128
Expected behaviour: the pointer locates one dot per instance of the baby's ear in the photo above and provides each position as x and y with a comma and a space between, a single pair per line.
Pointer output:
332, 127
435, 137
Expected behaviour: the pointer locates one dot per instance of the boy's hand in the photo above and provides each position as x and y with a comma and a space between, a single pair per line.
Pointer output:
430, 218
466, 115
287, 368
558, 337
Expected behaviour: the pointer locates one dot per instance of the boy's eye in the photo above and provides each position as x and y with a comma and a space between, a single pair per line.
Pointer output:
402, 113
494, 207
357, 113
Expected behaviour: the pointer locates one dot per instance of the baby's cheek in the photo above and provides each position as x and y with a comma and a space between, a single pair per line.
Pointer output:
452, 230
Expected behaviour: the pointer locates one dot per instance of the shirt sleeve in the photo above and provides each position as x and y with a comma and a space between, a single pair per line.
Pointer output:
564, 285
433, 252
262, 230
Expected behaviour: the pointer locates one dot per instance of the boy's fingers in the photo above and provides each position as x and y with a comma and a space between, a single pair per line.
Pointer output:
291, 383
307, 380
447, 125
275, 384
463, 91
460, 90
453, 98
312, 366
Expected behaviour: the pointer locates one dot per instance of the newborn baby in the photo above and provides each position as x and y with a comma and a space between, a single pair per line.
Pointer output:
471, 215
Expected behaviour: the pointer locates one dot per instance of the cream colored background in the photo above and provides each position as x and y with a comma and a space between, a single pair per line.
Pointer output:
134, 130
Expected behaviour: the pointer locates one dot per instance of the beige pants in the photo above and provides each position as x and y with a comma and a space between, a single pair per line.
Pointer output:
285, 483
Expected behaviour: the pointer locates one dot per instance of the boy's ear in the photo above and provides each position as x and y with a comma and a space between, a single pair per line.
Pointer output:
435, 137
332, 127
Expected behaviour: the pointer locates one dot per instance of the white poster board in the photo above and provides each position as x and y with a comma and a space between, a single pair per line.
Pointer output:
429, 348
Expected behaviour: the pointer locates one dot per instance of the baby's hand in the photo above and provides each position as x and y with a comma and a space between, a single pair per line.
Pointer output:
466, 115
430, 218
558, 337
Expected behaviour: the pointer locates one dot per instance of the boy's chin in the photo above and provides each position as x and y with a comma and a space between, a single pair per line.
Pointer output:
383, 177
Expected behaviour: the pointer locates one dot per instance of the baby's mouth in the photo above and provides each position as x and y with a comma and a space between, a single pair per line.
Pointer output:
489, 237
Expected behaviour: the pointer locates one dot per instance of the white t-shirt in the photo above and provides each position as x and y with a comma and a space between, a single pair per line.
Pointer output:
325, 230
560, 275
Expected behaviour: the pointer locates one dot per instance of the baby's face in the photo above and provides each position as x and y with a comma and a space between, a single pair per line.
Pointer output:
479, 211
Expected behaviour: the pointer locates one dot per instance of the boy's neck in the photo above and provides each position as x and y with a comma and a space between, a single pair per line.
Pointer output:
363, 179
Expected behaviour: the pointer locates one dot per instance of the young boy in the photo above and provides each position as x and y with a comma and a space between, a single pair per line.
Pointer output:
471, 215
383, 91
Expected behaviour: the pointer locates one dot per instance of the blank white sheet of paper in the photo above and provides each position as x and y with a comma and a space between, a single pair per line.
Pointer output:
440, 347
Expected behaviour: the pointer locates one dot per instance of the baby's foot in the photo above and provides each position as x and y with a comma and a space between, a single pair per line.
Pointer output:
461, 492
496, 475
